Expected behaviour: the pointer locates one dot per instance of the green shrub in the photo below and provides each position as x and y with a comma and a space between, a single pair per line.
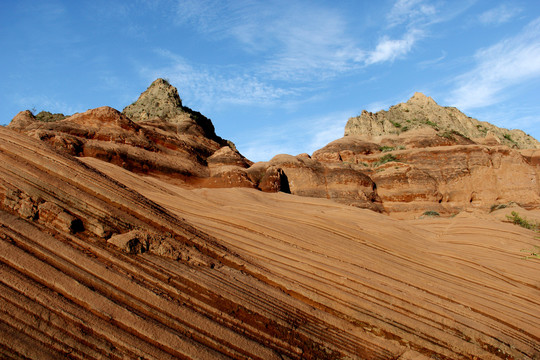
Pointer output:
396, 124
448, 135
431, 213
481, 128
509, 138
46, 116
497, 207
387, 148
385, 159
432, 124
516, 219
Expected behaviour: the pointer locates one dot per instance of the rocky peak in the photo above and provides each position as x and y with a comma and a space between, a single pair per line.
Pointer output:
421, 99
160, 100
421, 112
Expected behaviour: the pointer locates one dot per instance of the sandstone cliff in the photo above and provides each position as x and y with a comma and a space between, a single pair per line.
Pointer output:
423, 112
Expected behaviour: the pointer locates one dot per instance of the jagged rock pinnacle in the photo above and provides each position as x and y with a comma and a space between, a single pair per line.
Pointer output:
160, 100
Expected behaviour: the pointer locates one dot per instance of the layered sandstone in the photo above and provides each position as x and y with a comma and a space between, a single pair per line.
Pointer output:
415, 172
109, 250
160, 136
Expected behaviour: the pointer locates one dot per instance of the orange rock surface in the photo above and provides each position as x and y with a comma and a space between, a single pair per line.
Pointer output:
150, 238
238, 273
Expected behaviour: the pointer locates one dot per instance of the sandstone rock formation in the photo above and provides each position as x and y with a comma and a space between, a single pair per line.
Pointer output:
167, 139
100, 262
416, 157
414, 173
112, 244
304, 176
161, 102
422, 111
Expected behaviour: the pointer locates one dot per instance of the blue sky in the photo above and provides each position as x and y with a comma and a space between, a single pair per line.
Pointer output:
275, 76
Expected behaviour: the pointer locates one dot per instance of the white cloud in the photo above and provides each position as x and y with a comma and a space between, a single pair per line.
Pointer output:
389, 50
300, 42
410, 11
300, 136
431, 62
211, 86
510, 62
499, 15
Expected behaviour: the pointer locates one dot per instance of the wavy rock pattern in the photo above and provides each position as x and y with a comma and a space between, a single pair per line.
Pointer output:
246, 275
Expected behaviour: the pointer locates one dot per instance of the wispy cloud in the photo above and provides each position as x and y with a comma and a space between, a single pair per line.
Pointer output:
410, 12
289, 47
388, 49
299, 42
300, 136
208, 85
430, 62
499, 15
510, 62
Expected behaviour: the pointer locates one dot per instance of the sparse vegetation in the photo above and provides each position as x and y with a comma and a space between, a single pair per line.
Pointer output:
448, 135
451, 135
432, 124
386, 148
396, 124
385, 159
516, 219
431, 213
391, 148
509, 138
481, 128
534, 253
46, 116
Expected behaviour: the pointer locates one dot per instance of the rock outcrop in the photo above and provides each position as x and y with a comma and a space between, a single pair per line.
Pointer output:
304, 176
418, 171
155, 135
423, 112
161, 102
111, 260
416, 157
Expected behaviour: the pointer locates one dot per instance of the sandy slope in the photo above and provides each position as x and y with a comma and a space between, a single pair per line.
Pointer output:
454, 288
236, 273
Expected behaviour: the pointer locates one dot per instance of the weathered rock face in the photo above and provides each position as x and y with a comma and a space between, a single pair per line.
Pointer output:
301, 175
418, 156
161, 102
168, 139
423, 112
415, 172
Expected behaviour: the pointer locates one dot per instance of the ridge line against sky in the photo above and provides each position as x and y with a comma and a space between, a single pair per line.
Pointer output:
275, 76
